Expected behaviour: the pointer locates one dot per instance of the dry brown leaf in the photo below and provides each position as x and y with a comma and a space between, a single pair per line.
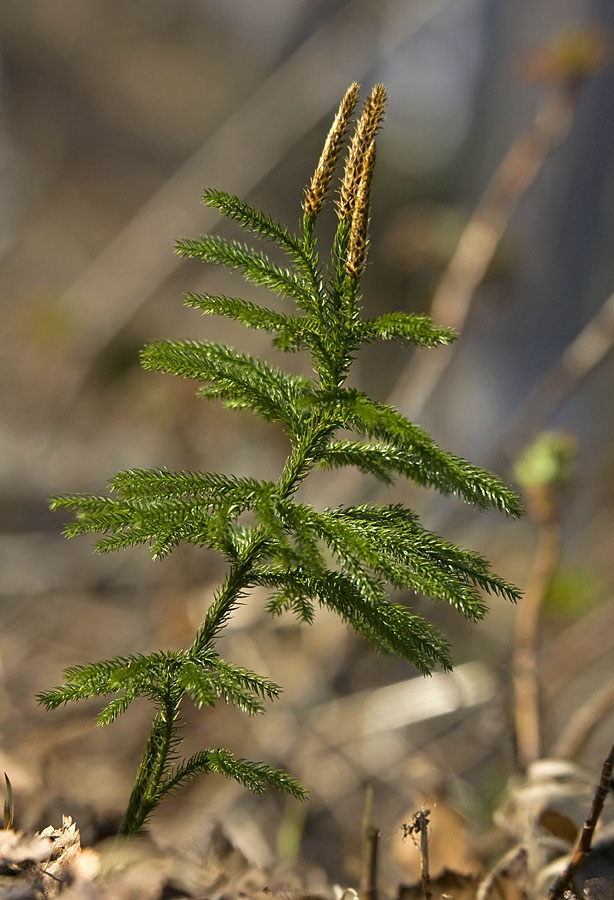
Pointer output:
558, 825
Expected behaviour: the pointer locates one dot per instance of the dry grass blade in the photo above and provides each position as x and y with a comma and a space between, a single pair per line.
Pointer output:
9, 805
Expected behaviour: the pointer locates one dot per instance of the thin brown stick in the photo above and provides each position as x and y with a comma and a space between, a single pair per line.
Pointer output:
370, 891
585, 838
425, 874
419, 826
526, 634
371, 836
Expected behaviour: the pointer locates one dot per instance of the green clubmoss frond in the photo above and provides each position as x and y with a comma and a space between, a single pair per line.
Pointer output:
433, 466
255, 776
218, 489
162, 509
291, 332
206, 687
238, 379
257, 221
388, 627
255, 267
408, 328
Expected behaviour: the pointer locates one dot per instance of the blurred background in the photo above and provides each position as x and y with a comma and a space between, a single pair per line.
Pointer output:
493, 209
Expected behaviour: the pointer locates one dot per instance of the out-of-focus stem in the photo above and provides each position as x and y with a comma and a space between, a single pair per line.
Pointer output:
526, 636
478, 243
579, 358
583, 722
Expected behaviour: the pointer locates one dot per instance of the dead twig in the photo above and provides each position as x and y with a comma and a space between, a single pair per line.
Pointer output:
543, 470
371, 845
585, 838
419, 825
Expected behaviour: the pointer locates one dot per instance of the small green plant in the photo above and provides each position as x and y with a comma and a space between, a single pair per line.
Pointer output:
341, 558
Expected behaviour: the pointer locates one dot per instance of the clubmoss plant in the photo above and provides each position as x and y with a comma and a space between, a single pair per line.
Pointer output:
342, 558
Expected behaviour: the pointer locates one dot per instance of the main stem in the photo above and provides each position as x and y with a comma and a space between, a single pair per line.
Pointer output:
163, 737
143, 797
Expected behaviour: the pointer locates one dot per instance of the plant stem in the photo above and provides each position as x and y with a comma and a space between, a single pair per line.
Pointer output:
296, 468
163, 736
525, 672
137, 810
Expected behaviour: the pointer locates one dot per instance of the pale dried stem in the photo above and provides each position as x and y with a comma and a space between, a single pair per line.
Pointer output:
369, 890
581, 356
583, 722
425, 873
525, 648
477, 245
580, 644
